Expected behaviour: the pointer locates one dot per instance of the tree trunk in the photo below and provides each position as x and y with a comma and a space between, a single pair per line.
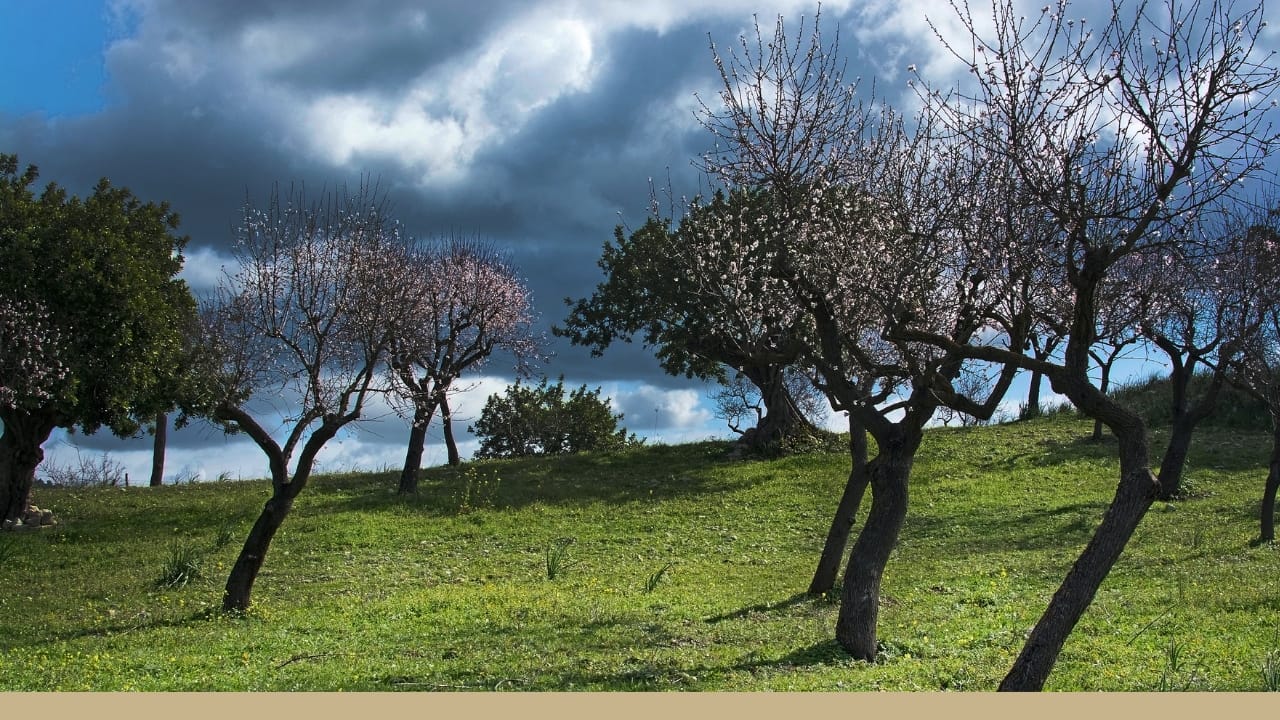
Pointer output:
245, 571
20, 453
824, 578
157, 451
413, 456
1032, 410
860, 598
782, 419
446, 418
1102, 386
1268, 513
1175, 457
1137, 490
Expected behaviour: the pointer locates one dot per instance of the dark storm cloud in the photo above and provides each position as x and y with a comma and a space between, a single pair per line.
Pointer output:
213, 102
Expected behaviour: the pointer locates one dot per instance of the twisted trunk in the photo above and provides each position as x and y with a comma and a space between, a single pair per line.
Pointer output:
860, 598
782, 418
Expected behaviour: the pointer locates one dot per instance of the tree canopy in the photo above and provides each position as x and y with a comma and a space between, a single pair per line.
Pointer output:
93, 283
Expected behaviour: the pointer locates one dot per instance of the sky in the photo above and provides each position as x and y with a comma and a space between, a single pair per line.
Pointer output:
538, 125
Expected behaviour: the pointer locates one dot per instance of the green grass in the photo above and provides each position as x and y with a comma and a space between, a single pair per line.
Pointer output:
686, 572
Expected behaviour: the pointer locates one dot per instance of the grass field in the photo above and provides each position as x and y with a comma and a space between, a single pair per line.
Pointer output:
661, 568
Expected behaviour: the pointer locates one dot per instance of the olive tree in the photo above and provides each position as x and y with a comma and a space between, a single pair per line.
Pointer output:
91, 312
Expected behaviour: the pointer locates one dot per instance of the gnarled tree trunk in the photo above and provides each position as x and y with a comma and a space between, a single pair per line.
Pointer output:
782, 418
20, 454
860, 597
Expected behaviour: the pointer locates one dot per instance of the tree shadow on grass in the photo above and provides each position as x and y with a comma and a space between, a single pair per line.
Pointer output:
766, 608
656, 473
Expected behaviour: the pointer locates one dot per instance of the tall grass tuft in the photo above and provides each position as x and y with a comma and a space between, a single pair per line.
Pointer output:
558, 561
652, 583
180, 567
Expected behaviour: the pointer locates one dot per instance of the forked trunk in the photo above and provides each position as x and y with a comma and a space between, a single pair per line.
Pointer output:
1175, 457
860, 598
824, 578
245, 571
1137, 490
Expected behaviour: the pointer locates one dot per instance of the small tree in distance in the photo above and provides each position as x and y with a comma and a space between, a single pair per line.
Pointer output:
465, 302
539, 420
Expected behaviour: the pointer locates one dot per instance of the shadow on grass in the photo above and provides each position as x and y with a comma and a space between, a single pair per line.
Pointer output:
766, 608
642, 474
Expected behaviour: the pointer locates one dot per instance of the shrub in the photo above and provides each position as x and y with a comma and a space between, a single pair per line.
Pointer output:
540, 420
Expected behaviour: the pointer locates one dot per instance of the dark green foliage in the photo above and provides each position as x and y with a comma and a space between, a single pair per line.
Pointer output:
105, 269
539, 420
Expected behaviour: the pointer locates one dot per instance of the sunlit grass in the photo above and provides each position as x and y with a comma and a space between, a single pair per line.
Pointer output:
687, 573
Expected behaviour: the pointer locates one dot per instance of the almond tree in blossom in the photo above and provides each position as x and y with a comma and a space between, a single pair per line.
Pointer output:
1123, 136
303, 325
465, 302
688, 292
873, 225
1251, 281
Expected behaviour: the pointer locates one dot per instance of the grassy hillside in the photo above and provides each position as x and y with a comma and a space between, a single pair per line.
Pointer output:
450, 590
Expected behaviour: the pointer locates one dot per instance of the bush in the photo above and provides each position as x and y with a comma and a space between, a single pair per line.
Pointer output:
528, 420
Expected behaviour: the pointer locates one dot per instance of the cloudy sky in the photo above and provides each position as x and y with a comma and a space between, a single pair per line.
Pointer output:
536, 124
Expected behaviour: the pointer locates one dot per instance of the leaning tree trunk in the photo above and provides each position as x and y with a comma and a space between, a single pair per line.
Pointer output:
782, 418
446, 419
1268, 514
20, 454
245, 571
413, 456
1134, 495
284, 489
824, 578
157, 450
860, 597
